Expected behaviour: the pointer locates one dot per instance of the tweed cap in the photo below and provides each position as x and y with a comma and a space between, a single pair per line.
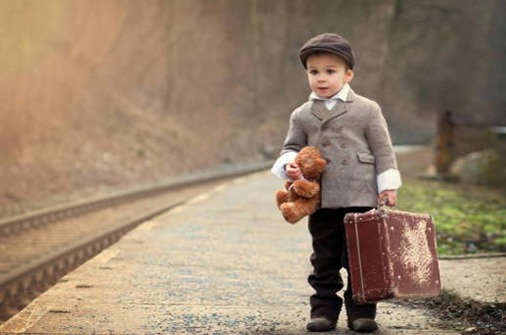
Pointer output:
331, 43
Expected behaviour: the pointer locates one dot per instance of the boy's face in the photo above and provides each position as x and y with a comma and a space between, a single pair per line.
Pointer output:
327, 74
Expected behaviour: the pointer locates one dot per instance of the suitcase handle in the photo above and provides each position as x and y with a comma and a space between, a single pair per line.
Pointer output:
382, 208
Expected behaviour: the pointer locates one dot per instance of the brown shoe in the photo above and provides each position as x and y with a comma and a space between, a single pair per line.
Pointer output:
363, 325
321, 325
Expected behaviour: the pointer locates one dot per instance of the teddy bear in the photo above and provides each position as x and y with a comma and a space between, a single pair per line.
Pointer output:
302, 197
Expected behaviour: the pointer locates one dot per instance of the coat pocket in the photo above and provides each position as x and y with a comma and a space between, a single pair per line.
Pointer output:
366, 158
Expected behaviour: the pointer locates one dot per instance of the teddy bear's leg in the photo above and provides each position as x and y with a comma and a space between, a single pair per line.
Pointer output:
296, 210
306, 188
281, 197
291, 212
310, 205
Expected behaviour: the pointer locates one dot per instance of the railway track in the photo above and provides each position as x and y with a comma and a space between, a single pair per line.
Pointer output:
37, 249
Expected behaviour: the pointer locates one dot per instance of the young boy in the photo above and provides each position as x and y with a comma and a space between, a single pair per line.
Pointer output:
352, 135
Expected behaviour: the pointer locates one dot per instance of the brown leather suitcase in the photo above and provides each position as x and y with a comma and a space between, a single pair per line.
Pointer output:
392, 255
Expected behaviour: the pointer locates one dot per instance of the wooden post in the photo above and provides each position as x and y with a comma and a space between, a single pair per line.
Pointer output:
445, 143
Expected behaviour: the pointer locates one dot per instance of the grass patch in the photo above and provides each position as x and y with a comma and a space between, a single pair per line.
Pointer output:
468, 219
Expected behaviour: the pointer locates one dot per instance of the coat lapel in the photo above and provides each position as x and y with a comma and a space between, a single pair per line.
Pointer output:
339, 109
321, 112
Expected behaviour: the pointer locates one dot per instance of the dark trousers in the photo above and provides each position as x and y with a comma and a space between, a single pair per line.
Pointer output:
328, 257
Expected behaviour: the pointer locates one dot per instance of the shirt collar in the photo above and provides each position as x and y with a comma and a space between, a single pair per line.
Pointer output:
341, 95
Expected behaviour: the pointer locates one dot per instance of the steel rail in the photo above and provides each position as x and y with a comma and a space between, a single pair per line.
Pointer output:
42, 217
18, 287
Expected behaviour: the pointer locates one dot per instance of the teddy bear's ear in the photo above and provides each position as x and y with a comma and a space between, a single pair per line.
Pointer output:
321, 164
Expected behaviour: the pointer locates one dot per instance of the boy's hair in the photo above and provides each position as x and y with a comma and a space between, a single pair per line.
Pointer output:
328, 43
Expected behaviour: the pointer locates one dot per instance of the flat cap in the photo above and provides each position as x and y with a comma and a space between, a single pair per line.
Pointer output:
331, 43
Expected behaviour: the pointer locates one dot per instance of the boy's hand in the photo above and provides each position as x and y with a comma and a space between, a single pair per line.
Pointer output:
292, 171
388, 197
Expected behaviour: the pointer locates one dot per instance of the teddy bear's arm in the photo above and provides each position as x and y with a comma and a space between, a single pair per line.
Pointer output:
306, 188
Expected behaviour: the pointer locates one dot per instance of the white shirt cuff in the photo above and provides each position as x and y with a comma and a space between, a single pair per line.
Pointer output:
389, 180
279, 165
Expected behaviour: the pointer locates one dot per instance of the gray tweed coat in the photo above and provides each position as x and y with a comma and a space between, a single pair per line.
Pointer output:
353, 137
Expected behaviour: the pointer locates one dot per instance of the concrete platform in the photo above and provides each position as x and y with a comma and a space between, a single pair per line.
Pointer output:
224, 263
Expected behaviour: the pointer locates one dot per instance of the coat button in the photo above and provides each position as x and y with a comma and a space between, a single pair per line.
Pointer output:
343, 145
